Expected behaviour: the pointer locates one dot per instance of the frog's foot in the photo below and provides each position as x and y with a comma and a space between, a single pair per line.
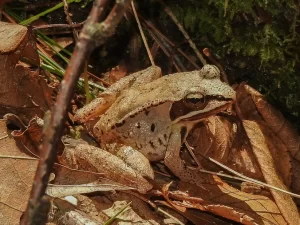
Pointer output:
113, 167
177, 166
133, 158
95, 108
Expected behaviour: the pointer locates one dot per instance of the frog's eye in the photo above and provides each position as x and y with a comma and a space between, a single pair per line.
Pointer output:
195, 101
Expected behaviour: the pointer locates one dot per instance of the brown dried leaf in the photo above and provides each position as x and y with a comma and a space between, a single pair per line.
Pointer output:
22, 91
228, 202
223, 140
260, 149
116, 73
62, 41
278, 124
279, 148
16, 177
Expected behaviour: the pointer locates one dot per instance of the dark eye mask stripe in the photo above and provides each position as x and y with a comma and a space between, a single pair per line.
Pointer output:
180, 108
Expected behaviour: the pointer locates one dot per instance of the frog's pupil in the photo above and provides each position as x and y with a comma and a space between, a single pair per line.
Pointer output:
195, 100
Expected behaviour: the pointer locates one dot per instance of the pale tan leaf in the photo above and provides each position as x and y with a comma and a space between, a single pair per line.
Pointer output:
13, 34
16, 177
260, 148
280, 152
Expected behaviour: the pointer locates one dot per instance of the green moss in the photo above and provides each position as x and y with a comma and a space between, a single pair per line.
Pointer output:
263, 32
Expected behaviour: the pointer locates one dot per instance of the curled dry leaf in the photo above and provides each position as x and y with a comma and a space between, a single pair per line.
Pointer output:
22, 90
16, 175
165, 192
30, 136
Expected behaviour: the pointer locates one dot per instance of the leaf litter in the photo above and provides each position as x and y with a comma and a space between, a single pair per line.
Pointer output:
261, 144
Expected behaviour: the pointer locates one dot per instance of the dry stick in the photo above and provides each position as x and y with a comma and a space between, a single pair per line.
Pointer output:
163, 48
36, 212
66, 26
185, 34
162, 36
142, 34
250, 179
69, 20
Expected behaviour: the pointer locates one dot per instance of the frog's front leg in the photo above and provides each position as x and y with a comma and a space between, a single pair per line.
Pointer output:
176, 164
99, 105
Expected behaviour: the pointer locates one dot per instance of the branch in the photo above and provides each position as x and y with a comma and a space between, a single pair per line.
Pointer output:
36, 211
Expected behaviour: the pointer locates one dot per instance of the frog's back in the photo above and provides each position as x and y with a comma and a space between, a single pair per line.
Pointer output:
134, 100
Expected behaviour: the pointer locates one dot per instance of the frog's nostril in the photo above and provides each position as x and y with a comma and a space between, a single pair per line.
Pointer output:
152, 127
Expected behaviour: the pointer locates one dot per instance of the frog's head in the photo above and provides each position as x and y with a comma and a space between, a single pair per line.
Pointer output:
202, 99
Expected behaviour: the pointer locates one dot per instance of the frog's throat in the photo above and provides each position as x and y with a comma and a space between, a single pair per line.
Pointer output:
197, 116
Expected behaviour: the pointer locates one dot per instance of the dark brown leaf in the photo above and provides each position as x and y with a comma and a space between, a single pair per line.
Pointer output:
22, 91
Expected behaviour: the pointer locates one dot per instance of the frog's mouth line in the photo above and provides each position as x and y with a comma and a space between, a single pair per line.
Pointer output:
204, 115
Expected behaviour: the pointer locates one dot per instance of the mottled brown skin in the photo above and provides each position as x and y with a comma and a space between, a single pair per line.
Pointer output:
155, 117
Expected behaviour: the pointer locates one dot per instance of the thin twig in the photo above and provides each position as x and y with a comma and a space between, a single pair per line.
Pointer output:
142, 34
249, 179
66, 26
36, 212
161, 35
69, 19
185, 34
17, 157
163, 48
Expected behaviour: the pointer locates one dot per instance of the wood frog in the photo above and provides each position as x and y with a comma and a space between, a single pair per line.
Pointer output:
154, 114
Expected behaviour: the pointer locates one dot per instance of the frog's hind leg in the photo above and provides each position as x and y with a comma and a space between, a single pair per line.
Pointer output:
176, 164
99, 105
